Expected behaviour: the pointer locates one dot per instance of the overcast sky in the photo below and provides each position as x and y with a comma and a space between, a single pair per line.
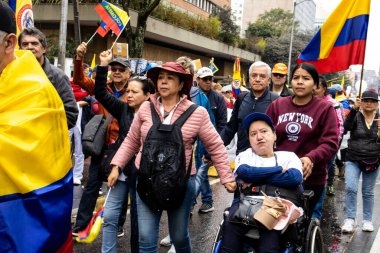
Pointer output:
372, 58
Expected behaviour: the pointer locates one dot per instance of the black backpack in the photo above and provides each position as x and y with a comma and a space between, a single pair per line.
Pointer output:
162, 177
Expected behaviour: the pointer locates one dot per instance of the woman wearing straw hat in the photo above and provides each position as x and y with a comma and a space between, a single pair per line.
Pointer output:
173, 84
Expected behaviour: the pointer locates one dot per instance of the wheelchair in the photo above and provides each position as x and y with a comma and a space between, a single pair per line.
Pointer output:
308, 238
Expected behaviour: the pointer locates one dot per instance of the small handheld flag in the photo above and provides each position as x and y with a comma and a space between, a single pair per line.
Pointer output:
236, 79
114, 17
341, 40
212, 66
103, 29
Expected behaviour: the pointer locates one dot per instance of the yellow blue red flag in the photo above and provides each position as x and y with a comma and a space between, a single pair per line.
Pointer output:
341, 40
236, 78
212, 66
23, 13
36, 190
115, 18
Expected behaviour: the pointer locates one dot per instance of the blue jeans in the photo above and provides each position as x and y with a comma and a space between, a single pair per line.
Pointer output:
205, 187
317, 211
368, 186
113, 210
79, 156
149, 221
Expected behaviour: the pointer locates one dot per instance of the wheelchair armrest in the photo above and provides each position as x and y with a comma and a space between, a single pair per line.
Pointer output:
307, 194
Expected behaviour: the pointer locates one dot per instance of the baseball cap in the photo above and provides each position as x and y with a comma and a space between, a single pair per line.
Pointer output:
370, 95
255, 117
280, 68
8, 21
203, 72
337, 87
122, 61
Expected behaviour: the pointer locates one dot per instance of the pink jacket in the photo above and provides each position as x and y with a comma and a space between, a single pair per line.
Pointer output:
198, 124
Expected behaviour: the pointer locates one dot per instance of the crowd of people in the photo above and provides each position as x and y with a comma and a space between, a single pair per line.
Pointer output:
286, 137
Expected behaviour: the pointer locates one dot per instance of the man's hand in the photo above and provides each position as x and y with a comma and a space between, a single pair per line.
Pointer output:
105, 57
230, 186
81, 51
307, 167
112, 178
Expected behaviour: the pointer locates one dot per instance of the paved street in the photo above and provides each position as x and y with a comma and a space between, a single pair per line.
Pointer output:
203, 227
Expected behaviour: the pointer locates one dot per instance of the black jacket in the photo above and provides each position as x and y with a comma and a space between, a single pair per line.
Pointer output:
61, 83
118, 109
363, 142
249, 104
285, 91
219, 109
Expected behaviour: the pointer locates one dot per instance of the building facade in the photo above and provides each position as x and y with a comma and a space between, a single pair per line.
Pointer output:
201, 8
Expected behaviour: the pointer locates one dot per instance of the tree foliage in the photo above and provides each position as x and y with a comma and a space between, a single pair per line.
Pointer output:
229, 32
273, 23
277, 49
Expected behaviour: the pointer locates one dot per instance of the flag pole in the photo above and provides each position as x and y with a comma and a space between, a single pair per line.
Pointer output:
118, 36
361, 80
92, 37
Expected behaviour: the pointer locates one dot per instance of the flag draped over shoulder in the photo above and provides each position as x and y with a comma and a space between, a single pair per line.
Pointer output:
236, 79
341, 40
36, 180
23, 13
114, 17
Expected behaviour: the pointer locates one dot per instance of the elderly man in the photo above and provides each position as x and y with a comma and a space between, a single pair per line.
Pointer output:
36, 180
34, 40
255, 101
278, 85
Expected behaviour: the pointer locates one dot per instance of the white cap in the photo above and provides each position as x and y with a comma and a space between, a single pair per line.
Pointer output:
203, 72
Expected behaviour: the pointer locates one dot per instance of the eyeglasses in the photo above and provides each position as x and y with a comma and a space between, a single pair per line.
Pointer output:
120, 70
207, 78
278, 75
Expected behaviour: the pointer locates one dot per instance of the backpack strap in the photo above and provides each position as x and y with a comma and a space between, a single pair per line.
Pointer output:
182, 119
155, 117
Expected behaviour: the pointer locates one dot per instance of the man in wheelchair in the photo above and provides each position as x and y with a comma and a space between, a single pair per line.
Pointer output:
277, 174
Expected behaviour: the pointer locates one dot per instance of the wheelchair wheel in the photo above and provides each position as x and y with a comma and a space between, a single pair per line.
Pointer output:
218, 239
314, 240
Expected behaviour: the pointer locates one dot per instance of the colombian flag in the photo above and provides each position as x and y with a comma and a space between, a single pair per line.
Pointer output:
341, 40
23, 13
114, 17
236, 79
36, 180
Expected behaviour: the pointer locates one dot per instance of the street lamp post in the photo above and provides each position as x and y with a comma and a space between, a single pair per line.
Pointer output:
292, 33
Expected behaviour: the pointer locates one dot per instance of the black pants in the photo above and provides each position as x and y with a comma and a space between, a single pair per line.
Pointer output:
233, 238
90, 194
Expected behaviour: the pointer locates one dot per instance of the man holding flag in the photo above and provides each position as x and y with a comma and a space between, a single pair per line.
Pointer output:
37, 190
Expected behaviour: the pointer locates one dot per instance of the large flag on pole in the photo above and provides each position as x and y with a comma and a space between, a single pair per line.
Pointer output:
341, 40
113, 16
36, 190
23, 13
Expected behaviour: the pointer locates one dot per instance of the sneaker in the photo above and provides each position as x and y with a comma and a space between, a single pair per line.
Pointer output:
330, 190
367, 226
77, 181
75, 231
166, 241
348, 226
206, 207
172, 249
120, 231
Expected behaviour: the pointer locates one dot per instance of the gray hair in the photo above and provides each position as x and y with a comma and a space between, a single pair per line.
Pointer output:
260, 64
186, 63
2, 35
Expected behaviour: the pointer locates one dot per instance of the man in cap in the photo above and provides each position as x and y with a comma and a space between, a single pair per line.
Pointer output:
34, 40
35, 153
120, 73
257, 100
278, 85
219, 113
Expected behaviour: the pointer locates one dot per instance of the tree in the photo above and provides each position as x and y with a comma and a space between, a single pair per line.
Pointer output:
277, 49
136, 37
273, 23
229, 32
